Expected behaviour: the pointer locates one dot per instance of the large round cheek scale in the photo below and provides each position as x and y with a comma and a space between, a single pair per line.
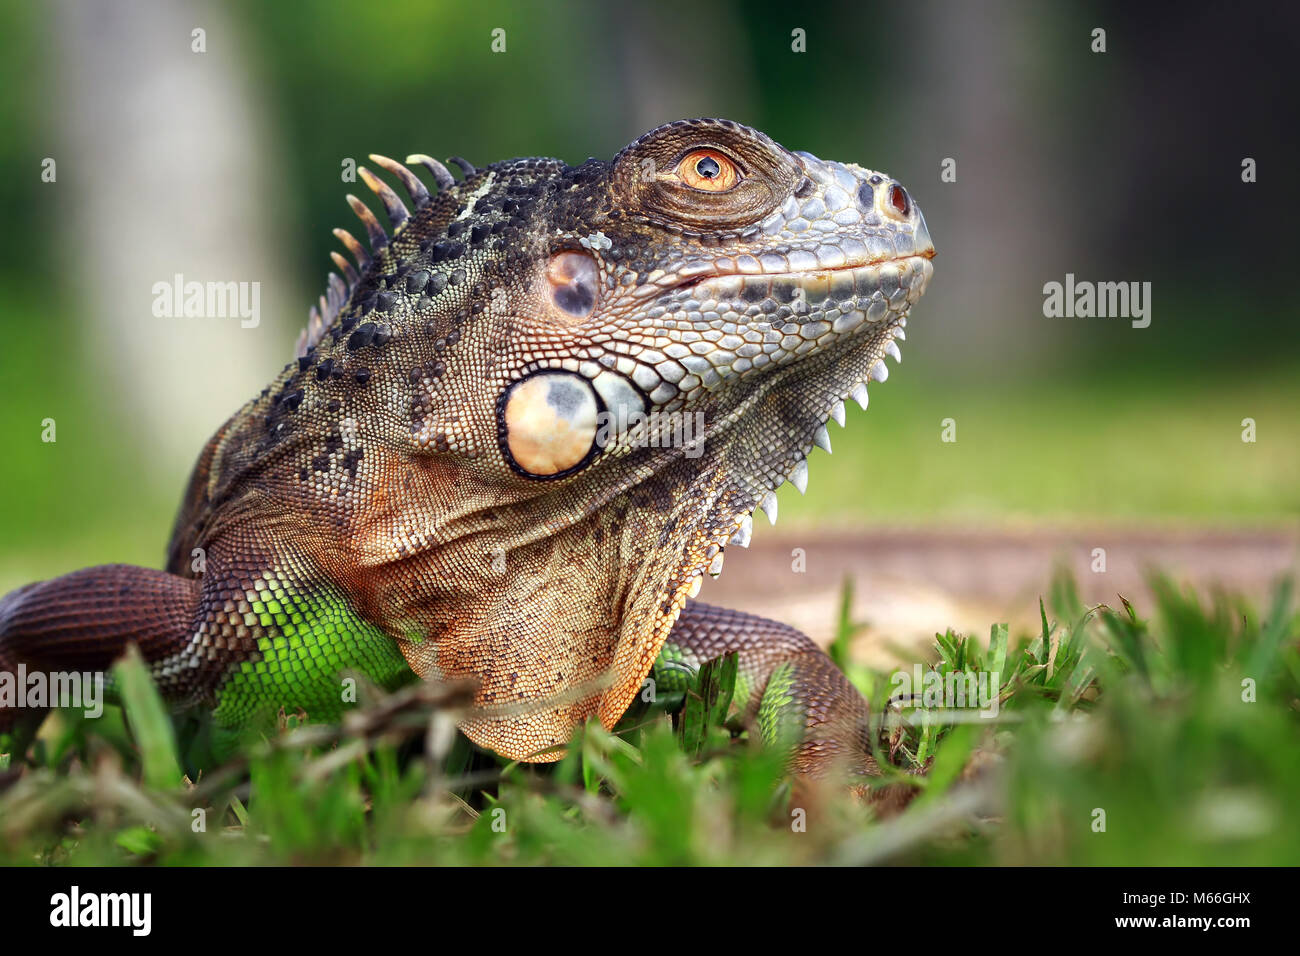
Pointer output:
550, 422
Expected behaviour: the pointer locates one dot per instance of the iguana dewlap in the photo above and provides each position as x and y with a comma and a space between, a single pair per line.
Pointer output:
515, 436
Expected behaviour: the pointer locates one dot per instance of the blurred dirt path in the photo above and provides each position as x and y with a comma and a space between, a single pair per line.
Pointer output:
910, 583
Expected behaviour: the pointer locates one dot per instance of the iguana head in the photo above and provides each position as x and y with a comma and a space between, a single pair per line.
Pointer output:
585, 380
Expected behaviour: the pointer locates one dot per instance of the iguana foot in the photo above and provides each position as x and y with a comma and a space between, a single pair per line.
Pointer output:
787, 689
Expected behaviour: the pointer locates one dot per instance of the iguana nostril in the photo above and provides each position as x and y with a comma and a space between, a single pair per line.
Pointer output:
899, 200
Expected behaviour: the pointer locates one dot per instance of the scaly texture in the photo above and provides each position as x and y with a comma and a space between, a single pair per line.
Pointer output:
515, 436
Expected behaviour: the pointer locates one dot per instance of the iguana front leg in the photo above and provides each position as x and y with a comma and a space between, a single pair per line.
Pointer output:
84, 621
245, 642
786, 685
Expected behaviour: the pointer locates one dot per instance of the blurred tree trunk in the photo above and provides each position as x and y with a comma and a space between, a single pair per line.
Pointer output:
163, 151
1002, 228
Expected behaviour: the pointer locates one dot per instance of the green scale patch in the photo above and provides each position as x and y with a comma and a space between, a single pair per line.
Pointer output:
778, 716
674, 671
306, 642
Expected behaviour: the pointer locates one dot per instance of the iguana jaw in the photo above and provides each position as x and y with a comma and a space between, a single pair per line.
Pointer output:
713, 508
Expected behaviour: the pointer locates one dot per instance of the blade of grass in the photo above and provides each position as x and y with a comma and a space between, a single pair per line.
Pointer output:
149, 721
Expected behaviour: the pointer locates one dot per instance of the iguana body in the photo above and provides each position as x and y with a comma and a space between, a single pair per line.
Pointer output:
451, 480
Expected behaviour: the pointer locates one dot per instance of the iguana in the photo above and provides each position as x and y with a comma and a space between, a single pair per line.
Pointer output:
515, 436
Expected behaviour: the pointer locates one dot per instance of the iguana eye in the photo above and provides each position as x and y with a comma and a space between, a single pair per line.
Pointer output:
547, 423
706, 176
708, 170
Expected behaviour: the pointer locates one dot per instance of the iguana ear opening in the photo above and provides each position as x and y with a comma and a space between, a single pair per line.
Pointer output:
573, 281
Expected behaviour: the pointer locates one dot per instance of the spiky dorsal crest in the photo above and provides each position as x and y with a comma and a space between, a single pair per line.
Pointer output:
339, 290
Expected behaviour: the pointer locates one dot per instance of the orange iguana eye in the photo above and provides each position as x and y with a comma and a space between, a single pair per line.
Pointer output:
708, 170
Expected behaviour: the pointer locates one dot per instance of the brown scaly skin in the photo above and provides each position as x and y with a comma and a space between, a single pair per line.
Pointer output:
429, 473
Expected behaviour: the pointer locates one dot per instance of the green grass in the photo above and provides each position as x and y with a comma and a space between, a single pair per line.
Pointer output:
1180, 732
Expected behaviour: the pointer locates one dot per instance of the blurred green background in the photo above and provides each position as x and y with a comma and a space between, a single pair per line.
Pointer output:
224, 164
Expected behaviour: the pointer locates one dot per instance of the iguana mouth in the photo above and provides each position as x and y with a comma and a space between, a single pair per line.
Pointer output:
698, 273
901, 278
738, 318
